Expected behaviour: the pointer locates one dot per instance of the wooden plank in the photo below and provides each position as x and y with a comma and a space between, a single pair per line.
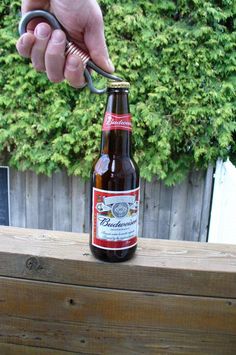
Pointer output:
4, 196
32, 212
61, 201
93, 339
164, 211
141, 207
78, 204
178, 211
133, 313
87, 207
206, 205
159, 265
194, 206
13, 349
151, 209
45, 202
17, 198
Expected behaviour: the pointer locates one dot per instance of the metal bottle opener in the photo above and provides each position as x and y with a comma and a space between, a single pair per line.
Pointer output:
71, 48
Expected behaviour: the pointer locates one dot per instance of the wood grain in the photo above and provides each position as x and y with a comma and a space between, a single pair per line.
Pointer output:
63, 204
62, 201
186, 268
17, 198
134, 322
151, 208
32, 203
16, 349
78, 204
45, 200
172, 298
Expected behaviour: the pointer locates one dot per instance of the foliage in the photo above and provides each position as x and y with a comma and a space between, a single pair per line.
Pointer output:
180, 57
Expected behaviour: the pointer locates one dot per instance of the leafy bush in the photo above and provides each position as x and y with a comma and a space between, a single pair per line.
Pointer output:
180, 57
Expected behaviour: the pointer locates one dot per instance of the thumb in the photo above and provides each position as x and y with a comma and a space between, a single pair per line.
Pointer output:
96, 44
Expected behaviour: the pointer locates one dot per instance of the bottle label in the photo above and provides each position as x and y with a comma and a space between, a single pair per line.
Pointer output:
114, 121
115, 219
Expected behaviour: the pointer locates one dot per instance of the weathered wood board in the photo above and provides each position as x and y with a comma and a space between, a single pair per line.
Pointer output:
174, 297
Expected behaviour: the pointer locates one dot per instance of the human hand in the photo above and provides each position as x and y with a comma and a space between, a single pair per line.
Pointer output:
83, 21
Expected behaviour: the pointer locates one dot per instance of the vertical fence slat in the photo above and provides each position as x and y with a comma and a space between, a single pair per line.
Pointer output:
17, 198
194, 205
87, 206
78, 204
141, 207
206, 205
178, 211
61, 201
45, 202
151, 209
32, 195
164, 211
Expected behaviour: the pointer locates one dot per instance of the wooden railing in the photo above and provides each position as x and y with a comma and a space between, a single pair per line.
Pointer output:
172, 298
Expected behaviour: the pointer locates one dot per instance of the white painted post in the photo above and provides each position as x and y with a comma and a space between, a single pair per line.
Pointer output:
223, 213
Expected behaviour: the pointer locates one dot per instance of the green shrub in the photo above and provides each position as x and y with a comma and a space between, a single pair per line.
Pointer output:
180, 57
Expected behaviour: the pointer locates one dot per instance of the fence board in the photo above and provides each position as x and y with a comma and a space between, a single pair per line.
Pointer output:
32, 196
61, 201
17, 198
165, 211
87, 207
194, 201
178, 211
141, 207
206, 204
45, 201
78, 204
151, 209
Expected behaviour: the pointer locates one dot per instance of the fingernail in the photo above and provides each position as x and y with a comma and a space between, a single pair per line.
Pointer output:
58, 36
72, 62
42, 31
110, 65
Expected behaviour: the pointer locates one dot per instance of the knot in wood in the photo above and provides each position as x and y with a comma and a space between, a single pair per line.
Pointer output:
33, 264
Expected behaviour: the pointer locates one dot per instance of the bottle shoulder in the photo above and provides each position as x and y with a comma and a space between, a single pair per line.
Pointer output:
114, 164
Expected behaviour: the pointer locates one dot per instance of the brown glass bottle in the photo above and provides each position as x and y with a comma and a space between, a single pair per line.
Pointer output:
115, 183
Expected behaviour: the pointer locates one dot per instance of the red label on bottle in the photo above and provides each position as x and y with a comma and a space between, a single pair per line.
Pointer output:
115, 219
117, 121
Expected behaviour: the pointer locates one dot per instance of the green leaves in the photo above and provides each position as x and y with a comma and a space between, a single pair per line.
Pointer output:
180, 58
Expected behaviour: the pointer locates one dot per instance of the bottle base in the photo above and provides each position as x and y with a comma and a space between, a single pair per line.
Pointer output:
113, 256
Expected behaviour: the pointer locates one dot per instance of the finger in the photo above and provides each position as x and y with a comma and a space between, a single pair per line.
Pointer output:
55, 56
74, 71
29, 5
95, 42
25, 44
42, 35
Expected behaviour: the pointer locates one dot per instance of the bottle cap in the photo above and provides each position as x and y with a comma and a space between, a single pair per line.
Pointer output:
118, 84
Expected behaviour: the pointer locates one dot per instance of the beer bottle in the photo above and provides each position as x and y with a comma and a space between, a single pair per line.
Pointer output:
115, 183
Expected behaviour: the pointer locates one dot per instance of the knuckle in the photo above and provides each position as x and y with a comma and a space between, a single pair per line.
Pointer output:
97, 18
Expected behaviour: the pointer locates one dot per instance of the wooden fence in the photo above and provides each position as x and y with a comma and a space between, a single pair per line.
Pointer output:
62, 203
174, 297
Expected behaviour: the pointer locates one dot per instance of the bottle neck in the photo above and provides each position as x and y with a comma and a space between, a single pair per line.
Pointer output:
116, 134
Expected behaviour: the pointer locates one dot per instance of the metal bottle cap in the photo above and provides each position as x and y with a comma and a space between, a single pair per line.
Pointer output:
118, 84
